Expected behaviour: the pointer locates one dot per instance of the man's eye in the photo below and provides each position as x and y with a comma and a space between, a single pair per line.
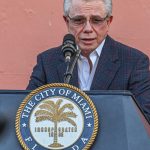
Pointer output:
79, 20
97, 20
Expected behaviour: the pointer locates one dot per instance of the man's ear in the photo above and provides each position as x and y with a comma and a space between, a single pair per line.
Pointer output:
110, 20
66, 21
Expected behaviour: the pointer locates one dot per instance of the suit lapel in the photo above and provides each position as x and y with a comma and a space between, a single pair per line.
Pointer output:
107, 66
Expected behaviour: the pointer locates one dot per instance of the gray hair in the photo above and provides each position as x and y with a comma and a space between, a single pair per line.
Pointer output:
107, 3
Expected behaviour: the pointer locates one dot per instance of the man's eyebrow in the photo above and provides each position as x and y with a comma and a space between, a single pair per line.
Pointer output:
77, 16
98, 16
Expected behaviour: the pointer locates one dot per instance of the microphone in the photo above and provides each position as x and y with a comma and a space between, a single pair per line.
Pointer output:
2, 124
68, 47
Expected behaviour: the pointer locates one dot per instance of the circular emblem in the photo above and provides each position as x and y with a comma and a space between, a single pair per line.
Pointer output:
56, 116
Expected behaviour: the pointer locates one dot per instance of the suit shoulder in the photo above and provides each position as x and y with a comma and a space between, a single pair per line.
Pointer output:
51, 52
128, 51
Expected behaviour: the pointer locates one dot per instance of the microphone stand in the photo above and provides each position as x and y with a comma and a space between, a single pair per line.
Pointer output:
70, 67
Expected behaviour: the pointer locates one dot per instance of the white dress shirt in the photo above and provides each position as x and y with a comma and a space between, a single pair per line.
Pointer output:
85, 76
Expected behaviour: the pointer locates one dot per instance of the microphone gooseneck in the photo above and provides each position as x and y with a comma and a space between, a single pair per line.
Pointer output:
70, 67
70, 50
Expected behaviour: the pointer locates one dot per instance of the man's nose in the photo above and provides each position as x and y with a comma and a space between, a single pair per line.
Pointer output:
88, 27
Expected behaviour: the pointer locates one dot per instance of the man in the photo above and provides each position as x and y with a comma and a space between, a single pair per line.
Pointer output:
104, 64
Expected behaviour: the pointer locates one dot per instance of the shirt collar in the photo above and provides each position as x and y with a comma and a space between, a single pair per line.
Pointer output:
98, 50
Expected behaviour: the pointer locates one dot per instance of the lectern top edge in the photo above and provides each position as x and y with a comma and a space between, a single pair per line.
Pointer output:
93, 92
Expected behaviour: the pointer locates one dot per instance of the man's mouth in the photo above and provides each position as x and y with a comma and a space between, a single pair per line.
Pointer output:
87, 40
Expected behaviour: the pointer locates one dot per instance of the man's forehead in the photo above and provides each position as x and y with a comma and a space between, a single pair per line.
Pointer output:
73, 2
80, 7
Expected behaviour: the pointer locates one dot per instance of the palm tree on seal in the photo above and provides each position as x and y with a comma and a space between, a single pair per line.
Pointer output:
55, 113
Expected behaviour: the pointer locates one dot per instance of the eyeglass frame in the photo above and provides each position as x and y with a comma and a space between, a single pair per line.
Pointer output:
84, 21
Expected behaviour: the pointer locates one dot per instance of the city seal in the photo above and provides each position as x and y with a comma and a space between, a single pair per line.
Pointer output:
56, 117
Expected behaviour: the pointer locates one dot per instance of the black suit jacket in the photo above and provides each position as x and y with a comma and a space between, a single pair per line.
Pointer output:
119, 68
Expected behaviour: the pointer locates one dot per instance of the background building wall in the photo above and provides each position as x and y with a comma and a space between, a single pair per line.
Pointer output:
28, 27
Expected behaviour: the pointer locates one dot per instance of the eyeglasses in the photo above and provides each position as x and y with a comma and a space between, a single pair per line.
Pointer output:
80, 21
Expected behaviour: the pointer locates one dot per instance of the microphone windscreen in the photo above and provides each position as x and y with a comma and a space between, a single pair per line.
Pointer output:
69, 45
69, 37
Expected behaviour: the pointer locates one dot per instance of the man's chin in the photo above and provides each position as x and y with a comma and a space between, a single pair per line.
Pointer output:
86, 50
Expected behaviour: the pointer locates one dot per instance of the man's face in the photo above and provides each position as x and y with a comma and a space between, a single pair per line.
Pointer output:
89, 23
